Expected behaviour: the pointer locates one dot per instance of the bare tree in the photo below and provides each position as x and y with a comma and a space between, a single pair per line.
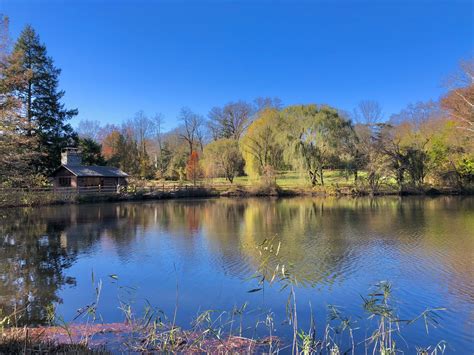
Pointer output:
230, 121
192, 130
233, 119
262, 103
217, 122
417, 114
463, 76
367, 153
142, 128
459, 101
161, 158
368, 112
89, 129
158, 121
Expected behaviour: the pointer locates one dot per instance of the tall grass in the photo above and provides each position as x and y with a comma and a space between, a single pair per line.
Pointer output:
378, 306
226, 332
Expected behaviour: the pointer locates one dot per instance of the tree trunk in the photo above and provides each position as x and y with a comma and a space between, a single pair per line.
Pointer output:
313, 178
400, 180
28, 109
373, 183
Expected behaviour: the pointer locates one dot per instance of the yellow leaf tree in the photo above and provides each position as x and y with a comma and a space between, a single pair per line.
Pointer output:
260, 146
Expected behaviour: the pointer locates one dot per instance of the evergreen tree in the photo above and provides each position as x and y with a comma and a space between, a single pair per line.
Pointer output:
17, 150
127, 152
41, 100
163, 160
91, 152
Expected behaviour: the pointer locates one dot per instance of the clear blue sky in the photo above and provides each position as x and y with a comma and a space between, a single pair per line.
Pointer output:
121, 56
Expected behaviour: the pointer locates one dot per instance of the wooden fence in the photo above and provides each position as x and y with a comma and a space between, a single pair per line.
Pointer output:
48, 195
113, 189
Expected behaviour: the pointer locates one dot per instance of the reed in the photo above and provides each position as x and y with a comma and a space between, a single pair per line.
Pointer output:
226, 332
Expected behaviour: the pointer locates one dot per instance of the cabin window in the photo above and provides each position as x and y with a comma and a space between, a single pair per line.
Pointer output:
65, 181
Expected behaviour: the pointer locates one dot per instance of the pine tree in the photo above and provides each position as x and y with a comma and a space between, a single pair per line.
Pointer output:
17, 149
41, 100
91, 152
127, 152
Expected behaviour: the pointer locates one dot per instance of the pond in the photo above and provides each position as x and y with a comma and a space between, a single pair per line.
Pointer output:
201, 255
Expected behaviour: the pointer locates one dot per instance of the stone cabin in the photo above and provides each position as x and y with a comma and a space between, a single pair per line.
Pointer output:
73, 174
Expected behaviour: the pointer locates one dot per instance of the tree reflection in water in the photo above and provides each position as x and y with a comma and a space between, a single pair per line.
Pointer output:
325, 240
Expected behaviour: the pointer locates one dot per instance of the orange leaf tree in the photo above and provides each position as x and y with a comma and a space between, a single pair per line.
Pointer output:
193, 170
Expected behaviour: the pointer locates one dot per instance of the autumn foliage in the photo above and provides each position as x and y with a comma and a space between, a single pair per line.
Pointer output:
426, 144
110, 144
193, 170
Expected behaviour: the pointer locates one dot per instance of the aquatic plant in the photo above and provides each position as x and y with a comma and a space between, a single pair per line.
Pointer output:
224, 332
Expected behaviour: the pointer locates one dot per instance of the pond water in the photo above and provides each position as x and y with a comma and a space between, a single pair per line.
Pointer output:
202, 254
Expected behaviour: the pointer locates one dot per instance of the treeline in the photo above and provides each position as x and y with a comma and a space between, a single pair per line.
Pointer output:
427, 143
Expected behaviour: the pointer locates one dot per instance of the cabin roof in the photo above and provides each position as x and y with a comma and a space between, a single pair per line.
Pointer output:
92, 170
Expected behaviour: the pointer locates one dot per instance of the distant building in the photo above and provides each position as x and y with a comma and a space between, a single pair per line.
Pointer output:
73, 174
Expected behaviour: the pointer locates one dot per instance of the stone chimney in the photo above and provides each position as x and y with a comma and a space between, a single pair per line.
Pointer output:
71, 156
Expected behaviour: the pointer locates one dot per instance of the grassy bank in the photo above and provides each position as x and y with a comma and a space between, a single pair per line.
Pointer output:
283, 184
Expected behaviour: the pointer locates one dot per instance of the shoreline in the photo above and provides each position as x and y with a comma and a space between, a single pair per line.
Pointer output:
237, 192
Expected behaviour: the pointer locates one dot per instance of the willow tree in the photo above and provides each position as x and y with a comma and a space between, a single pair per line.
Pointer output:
223, 158
261, 146
318, 137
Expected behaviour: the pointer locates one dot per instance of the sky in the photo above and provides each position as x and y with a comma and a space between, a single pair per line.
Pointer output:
118, 57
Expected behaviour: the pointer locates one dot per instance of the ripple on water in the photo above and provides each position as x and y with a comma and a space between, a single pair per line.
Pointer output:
342, 246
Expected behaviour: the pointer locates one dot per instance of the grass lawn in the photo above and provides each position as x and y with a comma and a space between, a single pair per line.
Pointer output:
284, 179
287, 180
292, 179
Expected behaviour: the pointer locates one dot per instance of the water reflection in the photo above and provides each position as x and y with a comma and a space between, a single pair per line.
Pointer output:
32, 264
327, 242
